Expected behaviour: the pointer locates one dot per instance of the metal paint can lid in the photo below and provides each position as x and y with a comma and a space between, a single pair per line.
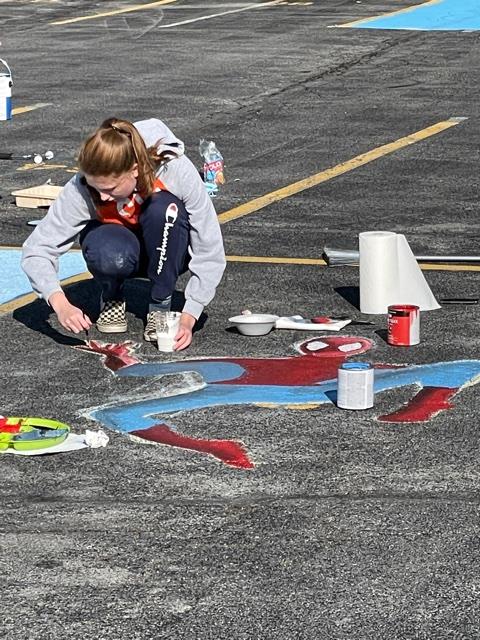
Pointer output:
403, 309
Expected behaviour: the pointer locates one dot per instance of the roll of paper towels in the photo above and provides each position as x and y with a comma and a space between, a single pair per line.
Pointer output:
389, 274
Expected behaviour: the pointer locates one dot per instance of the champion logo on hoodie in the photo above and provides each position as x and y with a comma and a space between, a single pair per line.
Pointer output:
126, 211
171, 214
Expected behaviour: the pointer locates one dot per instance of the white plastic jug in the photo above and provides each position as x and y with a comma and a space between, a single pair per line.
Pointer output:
5, 92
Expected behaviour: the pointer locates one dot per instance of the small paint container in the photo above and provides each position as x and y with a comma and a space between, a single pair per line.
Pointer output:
403, 325
355, 385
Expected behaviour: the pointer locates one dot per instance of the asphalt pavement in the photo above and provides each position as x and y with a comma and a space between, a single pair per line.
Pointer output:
346, 526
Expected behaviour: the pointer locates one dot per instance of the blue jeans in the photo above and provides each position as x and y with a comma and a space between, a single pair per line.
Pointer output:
158, 249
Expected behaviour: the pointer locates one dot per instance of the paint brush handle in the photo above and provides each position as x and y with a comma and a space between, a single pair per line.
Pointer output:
86, 330
326, 319
458, 300
11, 156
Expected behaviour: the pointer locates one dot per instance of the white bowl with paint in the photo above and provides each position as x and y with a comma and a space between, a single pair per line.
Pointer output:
254, 324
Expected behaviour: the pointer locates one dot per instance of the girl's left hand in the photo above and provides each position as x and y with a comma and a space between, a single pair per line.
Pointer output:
184, 335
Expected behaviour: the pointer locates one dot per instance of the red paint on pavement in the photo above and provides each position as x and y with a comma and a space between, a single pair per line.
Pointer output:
317, 363
310, 368
428, 402
230, 452
116, 355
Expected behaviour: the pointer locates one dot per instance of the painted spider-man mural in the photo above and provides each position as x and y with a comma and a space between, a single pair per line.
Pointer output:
308, 378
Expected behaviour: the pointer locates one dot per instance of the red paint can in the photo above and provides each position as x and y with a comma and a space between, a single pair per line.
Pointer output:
403, 325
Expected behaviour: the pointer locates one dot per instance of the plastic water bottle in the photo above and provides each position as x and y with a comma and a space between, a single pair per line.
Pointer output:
5, 92
213, 166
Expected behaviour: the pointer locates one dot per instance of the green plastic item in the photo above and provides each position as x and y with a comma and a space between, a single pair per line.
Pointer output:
32, 433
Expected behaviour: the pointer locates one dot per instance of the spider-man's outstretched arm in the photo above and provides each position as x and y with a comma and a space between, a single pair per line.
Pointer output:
438, 383
423, 406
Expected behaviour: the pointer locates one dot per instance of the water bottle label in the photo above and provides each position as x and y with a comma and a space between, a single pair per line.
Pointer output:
5, 108
213, 171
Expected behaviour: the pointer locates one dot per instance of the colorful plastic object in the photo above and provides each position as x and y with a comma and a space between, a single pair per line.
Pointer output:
26, 434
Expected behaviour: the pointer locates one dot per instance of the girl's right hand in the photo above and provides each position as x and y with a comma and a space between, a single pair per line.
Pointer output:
70, 317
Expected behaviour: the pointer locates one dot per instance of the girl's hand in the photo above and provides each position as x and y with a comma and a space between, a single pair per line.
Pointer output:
184, 335
70, 317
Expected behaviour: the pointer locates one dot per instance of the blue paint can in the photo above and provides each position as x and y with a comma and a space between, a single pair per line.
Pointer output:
355, 385
6, 84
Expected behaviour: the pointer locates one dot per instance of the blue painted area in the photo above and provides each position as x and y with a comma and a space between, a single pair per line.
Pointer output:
130, 417
14, 283
210, 371
445, 15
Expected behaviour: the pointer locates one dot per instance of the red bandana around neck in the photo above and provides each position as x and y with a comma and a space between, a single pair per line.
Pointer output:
126, 211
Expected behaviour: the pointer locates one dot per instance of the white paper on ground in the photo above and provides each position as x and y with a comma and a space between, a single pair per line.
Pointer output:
95, 439
73, 442
389, 274
298, 322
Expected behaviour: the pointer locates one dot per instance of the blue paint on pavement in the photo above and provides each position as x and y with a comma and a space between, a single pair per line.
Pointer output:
14, 283
445, 15
132, 416
210, 371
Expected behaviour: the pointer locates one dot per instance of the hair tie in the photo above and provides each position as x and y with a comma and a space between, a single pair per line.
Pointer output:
115, 128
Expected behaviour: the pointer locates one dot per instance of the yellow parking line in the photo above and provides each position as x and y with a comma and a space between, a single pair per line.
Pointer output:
426, 266
439, 266
137, 7
18, 110
22, 301
384, 15
39, 167
364, 158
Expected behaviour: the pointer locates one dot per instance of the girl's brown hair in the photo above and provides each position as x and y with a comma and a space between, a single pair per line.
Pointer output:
114, 148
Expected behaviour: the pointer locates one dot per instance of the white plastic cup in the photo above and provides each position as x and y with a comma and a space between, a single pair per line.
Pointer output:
167, 324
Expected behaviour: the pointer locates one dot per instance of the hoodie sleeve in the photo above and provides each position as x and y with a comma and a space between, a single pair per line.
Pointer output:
54, 236
207, 255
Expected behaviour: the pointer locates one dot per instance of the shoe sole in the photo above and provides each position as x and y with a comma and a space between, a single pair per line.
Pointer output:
112, 328
149, 338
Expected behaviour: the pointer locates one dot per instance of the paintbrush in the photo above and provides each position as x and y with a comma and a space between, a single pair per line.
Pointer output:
86, 330
326, 319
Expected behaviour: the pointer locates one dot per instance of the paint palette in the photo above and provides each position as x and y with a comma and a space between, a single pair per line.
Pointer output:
27, 434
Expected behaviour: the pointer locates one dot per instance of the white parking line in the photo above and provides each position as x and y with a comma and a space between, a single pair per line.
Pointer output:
223, 13
114, 12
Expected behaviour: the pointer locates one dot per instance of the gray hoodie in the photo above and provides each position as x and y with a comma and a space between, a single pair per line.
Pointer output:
74, 208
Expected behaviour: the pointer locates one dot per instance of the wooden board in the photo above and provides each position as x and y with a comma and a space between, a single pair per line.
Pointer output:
33, 197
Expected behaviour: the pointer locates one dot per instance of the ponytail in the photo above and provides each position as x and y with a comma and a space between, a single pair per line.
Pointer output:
114, 148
